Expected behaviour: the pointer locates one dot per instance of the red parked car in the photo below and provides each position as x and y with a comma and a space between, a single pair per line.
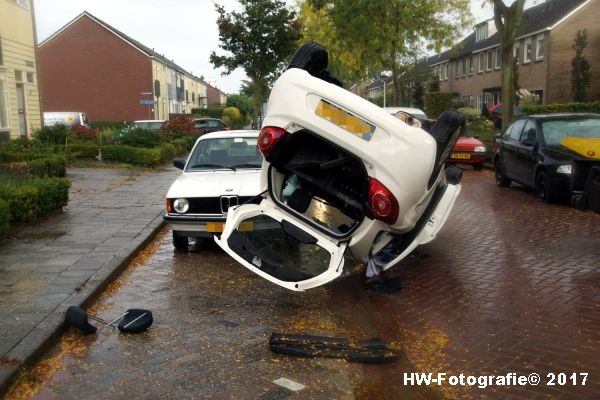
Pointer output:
468, 150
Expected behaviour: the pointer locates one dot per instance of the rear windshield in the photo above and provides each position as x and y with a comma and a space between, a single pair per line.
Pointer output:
556, 131
234, 152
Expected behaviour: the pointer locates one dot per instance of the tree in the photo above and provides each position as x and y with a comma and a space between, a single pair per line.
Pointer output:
387, 32
508, 20
418, 95
581, 76
258, 39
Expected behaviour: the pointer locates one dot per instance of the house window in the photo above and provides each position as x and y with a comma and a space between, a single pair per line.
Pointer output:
464, 66
479, 101
481, 61
498, 58
517, 52
3, 103
1, 58
193, 97
490, 60
30, 77
539, 47
458, 68
481, 32
446, 71
527, 51
471, 61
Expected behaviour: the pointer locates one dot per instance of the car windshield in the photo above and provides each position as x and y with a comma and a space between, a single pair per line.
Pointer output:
152, 125
556, 131
228, 153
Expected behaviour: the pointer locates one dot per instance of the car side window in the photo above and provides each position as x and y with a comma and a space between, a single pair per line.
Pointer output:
506, 133
213, 124
515, 133
529, 132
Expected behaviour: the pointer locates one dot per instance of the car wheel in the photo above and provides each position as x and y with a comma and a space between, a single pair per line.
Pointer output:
311, 57
180, 242
543, 188
477, 167
501, 179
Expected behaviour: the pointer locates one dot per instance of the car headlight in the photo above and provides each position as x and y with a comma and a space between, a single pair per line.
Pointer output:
565, 169
181, 206
480, 149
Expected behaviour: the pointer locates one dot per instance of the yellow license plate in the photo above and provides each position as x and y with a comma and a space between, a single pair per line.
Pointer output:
461, 156
214, 226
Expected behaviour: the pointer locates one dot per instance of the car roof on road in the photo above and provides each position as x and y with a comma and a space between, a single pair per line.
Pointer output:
230, 134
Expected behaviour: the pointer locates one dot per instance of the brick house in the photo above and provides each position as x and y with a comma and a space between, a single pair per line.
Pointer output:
215, 96
19, 96
89, 66
543, 52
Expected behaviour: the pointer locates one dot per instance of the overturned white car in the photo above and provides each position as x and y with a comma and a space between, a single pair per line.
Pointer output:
339, 173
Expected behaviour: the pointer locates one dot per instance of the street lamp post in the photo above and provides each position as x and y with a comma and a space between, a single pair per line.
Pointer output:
383, 76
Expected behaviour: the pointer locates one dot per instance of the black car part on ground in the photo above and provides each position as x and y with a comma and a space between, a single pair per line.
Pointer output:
586, 186
133, 320
445, 131
363, 351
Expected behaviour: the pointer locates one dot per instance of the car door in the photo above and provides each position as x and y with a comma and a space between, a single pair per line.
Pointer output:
280, 248
525, 154
510, 147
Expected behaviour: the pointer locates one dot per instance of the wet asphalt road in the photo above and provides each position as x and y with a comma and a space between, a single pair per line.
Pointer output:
510, 285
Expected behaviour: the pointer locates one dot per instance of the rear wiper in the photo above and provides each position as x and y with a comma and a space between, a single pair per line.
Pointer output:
212, 166
247, 166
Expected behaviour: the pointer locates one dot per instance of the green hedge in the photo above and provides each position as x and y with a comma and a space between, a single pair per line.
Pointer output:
184, 144
4, 217
82, 150
591, 107
53, 166
213, 112
437, 102
140, 156
35, 197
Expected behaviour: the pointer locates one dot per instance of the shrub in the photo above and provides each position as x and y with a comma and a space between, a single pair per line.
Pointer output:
23, 149
132, 155
82, 150
233, 117
53, 166
83, 134
184, 144
4, 217
470, 113
591, 107
35, 197
213, 112
140, 137
167, 152
55, 134
437, 102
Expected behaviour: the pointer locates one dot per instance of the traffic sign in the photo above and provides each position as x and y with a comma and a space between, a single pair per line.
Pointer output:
145, 93
147, 102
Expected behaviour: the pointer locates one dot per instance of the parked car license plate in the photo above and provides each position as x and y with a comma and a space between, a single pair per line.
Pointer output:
462, 156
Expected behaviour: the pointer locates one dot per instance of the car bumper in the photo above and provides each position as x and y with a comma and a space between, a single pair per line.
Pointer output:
195, 226
473, 158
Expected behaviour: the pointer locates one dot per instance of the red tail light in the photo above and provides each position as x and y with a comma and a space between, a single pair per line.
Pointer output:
268, 138
227, 128
382, 203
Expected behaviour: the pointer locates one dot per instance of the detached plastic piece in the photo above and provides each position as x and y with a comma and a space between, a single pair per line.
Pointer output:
136, 320
78, 318
364, 351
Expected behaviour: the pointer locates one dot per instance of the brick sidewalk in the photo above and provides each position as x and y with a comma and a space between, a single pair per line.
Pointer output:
67, 257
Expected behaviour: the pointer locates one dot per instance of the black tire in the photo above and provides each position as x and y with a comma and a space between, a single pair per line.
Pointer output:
180, 242
501, 179
543, 187
311, 57
477, 167
445, 131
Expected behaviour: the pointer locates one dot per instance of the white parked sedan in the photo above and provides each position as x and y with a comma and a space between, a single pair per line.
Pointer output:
222, 170
339, 173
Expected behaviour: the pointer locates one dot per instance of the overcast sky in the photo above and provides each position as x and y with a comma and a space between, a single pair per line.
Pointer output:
182, 30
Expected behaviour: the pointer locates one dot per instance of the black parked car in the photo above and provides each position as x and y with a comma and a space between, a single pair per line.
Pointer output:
556, 154
209, 125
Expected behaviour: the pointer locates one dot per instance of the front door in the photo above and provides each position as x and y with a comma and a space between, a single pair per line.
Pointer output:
22, 109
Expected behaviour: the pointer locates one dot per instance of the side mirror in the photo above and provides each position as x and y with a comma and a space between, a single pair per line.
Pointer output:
179, 163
